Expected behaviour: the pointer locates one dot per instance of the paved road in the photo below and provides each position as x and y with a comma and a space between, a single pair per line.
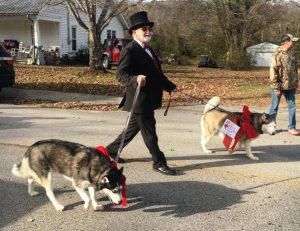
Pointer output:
212, 191
58, 96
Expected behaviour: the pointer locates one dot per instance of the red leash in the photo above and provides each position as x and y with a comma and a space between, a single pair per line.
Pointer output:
104, 152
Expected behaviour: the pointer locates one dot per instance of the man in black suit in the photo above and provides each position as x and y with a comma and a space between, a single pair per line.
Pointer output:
139, 65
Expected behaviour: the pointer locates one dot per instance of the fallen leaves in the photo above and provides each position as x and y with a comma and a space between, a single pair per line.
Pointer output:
194, 85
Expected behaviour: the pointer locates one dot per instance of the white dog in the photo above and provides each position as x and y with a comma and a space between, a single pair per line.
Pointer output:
214, 117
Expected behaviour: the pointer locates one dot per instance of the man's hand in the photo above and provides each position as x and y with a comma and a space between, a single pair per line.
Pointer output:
141, 79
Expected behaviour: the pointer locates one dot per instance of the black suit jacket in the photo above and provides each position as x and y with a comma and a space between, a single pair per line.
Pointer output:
135, 61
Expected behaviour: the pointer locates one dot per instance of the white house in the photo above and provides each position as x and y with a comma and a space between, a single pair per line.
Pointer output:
261, 53
34, 22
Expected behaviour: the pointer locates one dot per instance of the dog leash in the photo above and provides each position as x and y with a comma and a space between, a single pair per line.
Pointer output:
137, 91
216, 107
168, 106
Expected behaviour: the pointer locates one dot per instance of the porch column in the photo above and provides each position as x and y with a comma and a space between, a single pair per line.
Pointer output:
36, 31
38, 43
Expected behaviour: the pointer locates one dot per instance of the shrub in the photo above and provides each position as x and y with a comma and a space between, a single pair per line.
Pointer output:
239, 60
82, 56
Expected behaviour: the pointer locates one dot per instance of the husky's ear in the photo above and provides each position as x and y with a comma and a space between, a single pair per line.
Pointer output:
105, 180
121, 170
264, 117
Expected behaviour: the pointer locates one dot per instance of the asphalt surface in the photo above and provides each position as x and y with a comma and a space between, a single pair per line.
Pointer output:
211, 191
57, 96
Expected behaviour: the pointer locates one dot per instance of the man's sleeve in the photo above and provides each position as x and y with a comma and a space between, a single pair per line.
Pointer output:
167, 84
124, 71
274, 72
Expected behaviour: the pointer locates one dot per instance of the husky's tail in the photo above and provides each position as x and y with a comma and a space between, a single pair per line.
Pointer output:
21, 169
212, 103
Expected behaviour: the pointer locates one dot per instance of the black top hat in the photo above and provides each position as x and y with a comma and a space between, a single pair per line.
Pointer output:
139, 20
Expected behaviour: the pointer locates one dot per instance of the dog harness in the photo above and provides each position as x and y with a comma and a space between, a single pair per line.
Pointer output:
104, 152
245, 128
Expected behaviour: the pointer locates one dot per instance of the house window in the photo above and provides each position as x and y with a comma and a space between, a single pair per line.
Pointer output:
108, 34
111, 34
74, 38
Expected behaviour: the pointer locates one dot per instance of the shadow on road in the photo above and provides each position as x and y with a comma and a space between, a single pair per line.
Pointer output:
178, 199
10, 123
15, 202
181, 198
266, 154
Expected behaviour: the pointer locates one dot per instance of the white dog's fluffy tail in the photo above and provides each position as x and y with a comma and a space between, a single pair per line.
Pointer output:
22, 169
212, 103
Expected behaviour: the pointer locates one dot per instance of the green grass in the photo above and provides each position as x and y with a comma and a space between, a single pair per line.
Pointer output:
253, 89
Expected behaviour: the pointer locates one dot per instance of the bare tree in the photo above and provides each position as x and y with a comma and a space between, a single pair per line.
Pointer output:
296, 3
99, 13
240, 20
180, 25
223, 29
290, 24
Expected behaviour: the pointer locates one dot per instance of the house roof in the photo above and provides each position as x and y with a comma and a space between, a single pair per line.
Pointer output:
262, 47
33, 7
23, 7
123, 21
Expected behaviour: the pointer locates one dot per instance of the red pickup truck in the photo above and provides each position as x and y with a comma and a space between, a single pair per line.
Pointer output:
111, 51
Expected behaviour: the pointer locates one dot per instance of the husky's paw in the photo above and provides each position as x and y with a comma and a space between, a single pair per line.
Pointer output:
208, 151
230, 152
34, 193
59, 207
253, 157
15, 170
86, 205
98, 207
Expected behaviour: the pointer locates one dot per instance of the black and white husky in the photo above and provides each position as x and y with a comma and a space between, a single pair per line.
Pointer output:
85, 167
214, 117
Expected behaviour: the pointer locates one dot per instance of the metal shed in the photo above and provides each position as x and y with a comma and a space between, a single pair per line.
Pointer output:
261, 53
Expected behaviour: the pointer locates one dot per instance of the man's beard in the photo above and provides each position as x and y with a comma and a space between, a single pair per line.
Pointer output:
147, 39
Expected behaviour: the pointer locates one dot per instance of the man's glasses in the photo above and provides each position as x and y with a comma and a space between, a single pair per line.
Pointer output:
147, 28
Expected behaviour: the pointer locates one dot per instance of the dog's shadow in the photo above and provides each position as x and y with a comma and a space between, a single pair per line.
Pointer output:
180, 198
222, 158
177, 198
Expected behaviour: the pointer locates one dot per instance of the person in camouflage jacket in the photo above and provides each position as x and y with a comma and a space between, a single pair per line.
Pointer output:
284, 79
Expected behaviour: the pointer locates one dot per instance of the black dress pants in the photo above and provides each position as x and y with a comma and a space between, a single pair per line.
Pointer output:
146, 123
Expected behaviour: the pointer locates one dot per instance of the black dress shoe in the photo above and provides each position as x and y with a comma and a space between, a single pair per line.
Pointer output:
165, 170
